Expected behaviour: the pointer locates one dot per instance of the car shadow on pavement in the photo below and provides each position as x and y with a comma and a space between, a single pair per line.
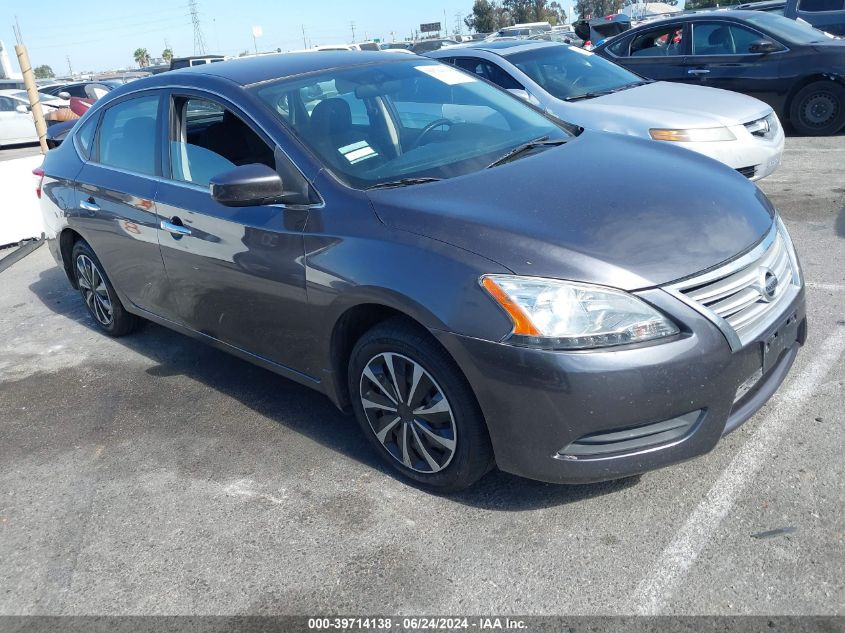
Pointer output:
295, 406
840, 220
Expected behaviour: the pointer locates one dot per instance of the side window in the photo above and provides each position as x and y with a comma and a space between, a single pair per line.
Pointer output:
620, 48
817, 6
714, 38
490, 71
6, 104
127, 138
664, 42
211, 140
85, 136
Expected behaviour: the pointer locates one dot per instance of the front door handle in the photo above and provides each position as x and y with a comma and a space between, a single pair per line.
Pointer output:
175, 229
698, 71
89, 205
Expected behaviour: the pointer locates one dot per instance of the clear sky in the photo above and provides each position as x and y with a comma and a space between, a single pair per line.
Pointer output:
103, 34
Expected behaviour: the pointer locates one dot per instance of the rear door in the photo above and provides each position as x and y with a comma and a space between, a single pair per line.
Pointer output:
721, 58
236, 274
657, 53
116, 193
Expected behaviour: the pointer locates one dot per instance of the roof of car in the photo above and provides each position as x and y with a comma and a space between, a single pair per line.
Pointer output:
251, 70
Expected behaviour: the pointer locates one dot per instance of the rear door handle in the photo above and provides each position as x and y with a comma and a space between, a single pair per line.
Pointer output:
89, 205
174, 229
698, 71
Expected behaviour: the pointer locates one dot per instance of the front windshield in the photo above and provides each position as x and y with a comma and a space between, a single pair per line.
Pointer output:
792, 31
379, 123
567, 72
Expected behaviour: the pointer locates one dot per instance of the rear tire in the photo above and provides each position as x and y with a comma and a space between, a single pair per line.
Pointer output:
417, 408
818, 109
98, 293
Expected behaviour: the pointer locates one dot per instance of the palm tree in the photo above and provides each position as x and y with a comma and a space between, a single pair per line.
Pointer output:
167, 55
142, 57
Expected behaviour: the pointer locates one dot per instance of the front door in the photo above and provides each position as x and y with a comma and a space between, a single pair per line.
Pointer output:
721, 58
236, 274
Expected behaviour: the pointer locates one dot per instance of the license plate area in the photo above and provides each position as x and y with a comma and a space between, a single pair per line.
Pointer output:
781, 339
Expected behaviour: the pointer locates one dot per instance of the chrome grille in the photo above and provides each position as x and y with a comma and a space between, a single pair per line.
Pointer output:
747, 295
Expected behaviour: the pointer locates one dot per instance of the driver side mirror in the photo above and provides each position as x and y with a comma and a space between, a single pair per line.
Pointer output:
21, 109
63, 95
763, 47
248, 186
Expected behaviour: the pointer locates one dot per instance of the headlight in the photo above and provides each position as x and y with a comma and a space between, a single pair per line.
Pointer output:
555, 314
701, 135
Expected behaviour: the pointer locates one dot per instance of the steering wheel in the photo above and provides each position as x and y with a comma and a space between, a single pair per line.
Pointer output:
427, 129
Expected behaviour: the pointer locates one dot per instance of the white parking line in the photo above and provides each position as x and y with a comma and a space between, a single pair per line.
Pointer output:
659, 585
821, 286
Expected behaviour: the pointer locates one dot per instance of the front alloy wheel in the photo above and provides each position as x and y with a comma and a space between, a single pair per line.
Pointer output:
416, 407
408, 413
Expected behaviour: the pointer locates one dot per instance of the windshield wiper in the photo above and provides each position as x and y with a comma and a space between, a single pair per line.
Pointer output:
543, 141
602, 93
403, 182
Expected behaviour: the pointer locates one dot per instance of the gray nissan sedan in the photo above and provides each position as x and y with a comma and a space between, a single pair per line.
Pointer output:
392, 232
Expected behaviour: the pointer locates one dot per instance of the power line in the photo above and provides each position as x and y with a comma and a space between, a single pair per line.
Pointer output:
199, 40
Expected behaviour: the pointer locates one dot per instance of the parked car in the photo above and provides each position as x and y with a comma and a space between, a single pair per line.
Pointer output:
22, 97
418, 265
426, 46
82, 89
16, 125
590, 91
195, 60
596, 30
796, 69
825, 15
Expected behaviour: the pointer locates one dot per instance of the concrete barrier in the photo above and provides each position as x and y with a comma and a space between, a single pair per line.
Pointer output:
20, 214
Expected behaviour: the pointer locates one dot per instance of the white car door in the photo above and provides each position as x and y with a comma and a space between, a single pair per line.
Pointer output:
15, 127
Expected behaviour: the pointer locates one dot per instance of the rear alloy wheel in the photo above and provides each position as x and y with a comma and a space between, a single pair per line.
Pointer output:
818, 109
417, 409
98, 293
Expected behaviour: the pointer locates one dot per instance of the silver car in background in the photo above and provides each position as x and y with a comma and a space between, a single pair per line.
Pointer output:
582, 88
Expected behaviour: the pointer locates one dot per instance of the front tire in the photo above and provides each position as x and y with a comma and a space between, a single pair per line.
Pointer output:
417, 409
818, 109
98, 293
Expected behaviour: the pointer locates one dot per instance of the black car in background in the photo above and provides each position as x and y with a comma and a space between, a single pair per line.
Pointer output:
825, 15
798, 70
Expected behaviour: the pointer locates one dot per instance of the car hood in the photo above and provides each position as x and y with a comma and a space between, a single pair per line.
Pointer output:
666, 105
604, 208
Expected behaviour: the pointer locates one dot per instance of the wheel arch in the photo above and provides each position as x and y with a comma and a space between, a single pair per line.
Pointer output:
67, 238
803, 83
352, 322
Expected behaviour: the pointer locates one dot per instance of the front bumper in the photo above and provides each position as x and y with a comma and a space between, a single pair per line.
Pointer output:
645, 407
754, 157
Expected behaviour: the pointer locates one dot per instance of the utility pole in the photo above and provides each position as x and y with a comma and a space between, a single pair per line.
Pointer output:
304, 44
352, 24
31, 88
199, 40
69, 67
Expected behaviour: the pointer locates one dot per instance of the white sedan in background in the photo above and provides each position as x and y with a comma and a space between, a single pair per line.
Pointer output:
594, 93
16, 124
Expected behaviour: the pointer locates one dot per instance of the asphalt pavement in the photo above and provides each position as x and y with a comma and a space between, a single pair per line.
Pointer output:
153, 474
